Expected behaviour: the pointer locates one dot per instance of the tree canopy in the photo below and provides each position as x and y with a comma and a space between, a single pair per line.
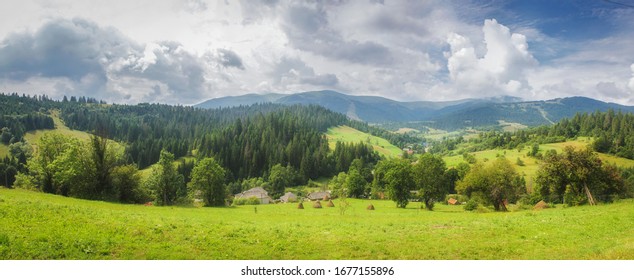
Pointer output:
577, 177
496, 183
429, 176
208, 177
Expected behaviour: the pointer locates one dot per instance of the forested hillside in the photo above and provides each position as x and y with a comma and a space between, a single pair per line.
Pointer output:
613, 133
246, 140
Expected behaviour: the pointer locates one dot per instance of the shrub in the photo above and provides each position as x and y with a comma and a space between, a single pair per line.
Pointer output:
471, 205
24, 181
246, 201
482, 209
253, 201
519, 162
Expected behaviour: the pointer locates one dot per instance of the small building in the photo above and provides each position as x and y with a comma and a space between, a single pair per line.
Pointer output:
288, 197
258, 192
319, 195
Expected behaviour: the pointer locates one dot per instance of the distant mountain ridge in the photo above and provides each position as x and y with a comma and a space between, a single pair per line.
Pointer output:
446, 115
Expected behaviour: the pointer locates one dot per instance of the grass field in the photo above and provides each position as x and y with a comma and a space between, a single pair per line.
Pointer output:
531, 164
42, 226
349, 134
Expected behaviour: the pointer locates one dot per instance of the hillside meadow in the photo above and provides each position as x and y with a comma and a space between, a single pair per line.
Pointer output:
43, 226
531, 164
348, 134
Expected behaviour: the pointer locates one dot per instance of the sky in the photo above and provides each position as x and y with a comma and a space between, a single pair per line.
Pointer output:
188, 51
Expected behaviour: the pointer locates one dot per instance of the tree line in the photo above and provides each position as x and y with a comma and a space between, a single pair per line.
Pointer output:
574, 177
247, 140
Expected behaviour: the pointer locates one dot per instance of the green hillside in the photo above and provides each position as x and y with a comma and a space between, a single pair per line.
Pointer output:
348, 134
43, 226
531, 164
34, 136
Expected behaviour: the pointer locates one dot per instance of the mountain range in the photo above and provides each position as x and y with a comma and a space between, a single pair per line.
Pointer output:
449, 115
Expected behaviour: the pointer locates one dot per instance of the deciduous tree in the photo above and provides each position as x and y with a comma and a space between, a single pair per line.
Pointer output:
496, 183
165, 182
208, 177
429, 177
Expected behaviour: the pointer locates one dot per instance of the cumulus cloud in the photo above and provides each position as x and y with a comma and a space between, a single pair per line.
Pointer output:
293, 71
60, 48
185, 51
630, 84
308, 29
228, 58
611, 90
81, 58
501, 69
195, 6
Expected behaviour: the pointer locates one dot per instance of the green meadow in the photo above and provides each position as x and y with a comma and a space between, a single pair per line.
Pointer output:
350, 135
43, 226
530, 164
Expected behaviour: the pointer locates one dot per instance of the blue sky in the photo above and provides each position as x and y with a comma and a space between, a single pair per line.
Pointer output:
187, 51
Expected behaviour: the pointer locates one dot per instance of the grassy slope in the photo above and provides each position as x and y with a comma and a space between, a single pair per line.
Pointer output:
348, 134
42, 226
34, 136
146, 172
531, 164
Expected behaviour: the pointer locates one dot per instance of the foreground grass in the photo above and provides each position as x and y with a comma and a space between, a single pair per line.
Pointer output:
42, 226
350, 135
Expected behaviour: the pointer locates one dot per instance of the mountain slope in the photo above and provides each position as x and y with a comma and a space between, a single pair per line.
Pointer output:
449, 115
242, 100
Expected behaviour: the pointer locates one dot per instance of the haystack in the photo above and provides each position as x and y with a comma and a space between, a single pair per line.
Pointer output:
317, 204
330, 204
300, 206
370, 207
541, 205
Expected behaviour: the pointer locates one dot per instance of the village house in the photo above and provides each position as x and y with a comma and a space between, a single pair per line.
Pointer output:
288, 197
258, 192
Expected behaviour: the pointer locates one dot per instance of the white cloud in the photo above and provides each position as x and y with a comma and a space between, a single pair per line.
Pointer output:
502, 68
188, 51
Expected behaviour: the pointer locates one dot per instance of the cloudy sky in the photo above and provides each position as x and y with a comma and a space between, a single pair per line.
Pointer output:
187, 51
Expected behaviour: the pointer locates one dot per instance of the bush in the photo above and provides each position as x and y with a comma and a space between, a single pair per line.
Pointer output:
246, 201
471, 205
482, 209
519, 162
529, 199
24, 181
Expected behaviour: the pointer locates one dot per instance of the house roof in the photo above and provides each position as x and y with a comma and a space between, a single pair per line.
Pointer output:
258, 192
287, 196
318, 195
